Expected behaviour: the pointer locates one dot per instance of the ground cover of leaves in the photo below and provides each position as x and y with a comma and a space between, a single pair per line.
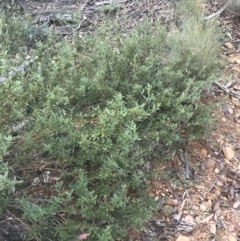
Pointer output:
200, 202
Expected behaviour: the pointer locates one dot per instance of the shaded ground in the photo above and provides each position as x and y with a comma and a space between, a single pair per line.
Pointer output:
78, 16
199, 193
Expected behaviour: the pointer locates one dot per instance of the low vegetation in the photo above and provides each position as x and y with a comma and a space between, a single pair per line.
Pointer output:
99, 108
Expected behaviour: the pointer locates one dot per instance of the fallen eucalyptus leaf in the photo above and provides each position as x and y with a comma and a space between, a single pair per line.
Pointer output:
236, 205
207, 219
212, 228
216, 206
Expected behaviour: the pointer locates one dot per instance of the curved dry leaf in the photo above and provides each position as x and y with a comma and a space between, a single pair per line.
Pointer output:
212, 228
207, 219
235, 58
236, 205
216, 206
218, 183
229, 45
231, 191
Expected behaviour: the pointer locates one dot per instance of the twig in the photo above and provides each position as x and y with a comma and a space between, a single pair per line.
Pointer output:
24, 224
211, 187
18, 69
185, 194
225, 111
187, 165
182, 206
185, 162
82, 18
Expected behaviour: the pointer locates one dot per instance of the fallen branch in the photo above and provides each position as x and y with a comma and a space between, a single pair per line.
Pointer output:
20, 68
225, 89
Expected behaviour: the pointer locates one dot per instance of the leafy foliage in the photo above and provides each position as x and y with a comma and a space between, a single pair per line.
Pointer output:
101, 107
7, 184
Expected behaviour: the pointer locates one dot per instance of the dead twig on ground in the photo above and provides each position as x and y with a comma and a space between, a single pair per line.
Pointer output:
185, 161
226, 112
225, 89
211, 187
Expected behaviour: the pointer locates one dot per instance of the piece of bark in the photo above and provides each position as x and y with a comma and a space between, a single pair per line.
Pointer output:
228, 152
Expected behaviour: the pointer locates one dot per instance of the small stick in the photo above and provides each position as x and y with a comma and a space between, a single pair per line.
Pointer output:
187, 165
185, 161
211, 187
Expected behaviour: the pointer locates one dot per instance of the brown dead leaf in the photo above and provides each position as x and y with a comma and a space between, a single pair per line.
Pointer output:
212, 228
207, 219
220, 233
236, 205
229, 45
235, 58
216, 206
204, 153
228, 152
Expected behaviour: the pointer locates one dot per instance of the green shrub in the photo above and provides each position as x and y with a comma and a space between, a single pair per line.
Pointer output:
101, 108
7, 184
